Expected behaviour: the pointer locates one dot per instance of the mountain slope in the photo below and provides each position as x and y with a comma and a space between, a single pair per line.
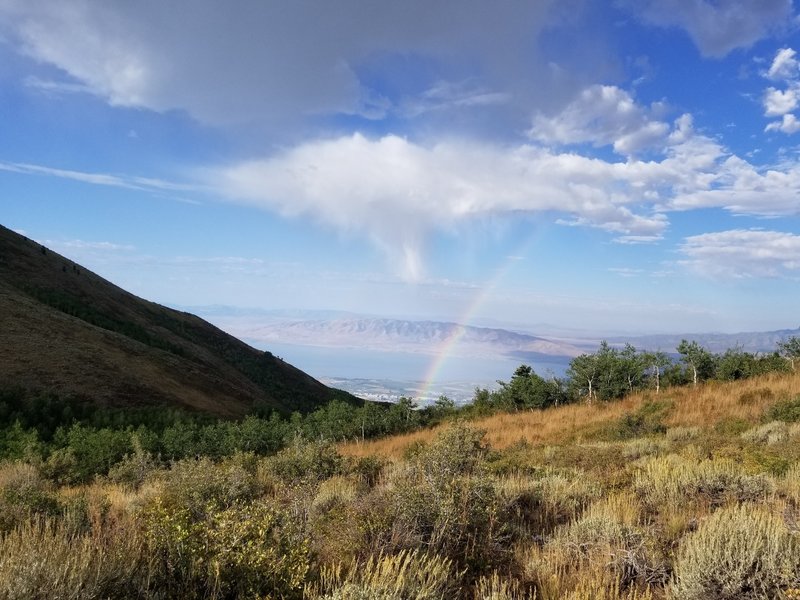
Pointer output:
66, 329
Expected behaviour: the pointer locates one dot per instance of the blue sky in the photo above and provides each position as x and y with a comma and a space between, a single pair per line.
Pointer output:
613, 166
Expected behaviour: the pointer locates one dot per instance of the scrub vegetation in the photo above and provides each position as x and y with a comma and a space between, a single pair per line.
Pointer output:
684, 492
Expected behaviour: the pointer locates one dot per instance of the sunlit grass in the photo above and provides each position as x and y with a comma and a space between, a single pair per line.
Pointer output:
704, 406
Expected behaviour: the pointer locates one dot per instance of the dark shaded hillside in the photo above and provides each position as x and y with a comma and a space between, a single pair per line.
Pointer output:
66, 329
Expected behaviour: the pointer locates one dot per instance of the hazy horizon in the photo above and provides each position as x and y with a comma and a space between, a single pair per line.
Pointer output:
534, 327
382, 357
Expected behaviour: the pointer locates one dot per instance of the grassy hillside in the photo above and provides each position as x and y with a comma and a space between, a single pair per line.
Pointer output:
68, 330
707, 406
691, 494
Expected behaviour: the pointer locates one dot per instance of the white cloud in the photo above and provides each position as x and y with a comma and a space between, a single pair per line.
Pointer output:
625, 271
777, 102
717, 26
784, 65
87, 245
639, 239
742, 188
270, 62
743, 253
396, 191
789, 124
146, 184
781, 103
51, 86
603, 115
446, 95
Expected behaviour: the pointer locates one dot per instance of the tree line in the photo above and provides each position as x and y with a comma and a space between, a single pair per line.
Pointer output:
611, 373
73, 440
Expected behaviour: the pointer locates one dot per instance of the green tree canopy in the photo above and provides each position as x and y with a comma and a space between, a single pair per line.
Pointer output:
698, 360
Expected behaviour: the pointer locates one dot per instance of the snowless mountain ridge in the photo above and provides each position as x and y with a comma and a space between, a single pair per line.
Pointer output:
431, 337
395, 335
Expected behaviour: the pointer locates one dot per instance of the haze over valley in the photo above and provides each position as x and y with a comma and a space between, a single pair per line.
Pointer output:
385, 358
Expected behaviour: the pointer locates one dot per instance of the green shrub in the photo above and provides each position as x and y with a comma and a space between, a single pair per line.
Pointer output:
175, 547
769, 460
758, 395
521, 458
303, 460
198, 485
368, 469
261, 436
339, 522
787, 411
134, 468
247, 550
16, 442
741, 553
181, 439
646, 420
24, 494
94, 451
454, 518
370, 525
731, 426
255, 550
457, 450
444, 500
60, 466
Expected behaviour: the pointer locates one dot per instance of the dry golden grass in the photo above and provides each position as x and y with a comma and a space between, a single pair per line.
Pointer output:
746, 400
18, 475
506, 429
557, 578
703, 406
108, 502
44, 559
496, 587
411, 574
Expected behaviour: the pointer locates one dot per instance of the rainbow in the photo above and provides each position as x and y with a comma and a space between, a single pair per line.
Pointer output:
449, 344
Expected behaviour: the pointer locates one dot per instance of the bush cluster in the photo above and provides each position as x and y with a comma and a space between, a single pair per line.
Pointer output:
309, 523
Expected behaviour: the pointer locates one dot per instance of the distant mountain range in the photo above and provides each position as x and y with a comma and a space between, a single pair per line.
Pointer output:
431, 337
749, 341
67, 330
395, 335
